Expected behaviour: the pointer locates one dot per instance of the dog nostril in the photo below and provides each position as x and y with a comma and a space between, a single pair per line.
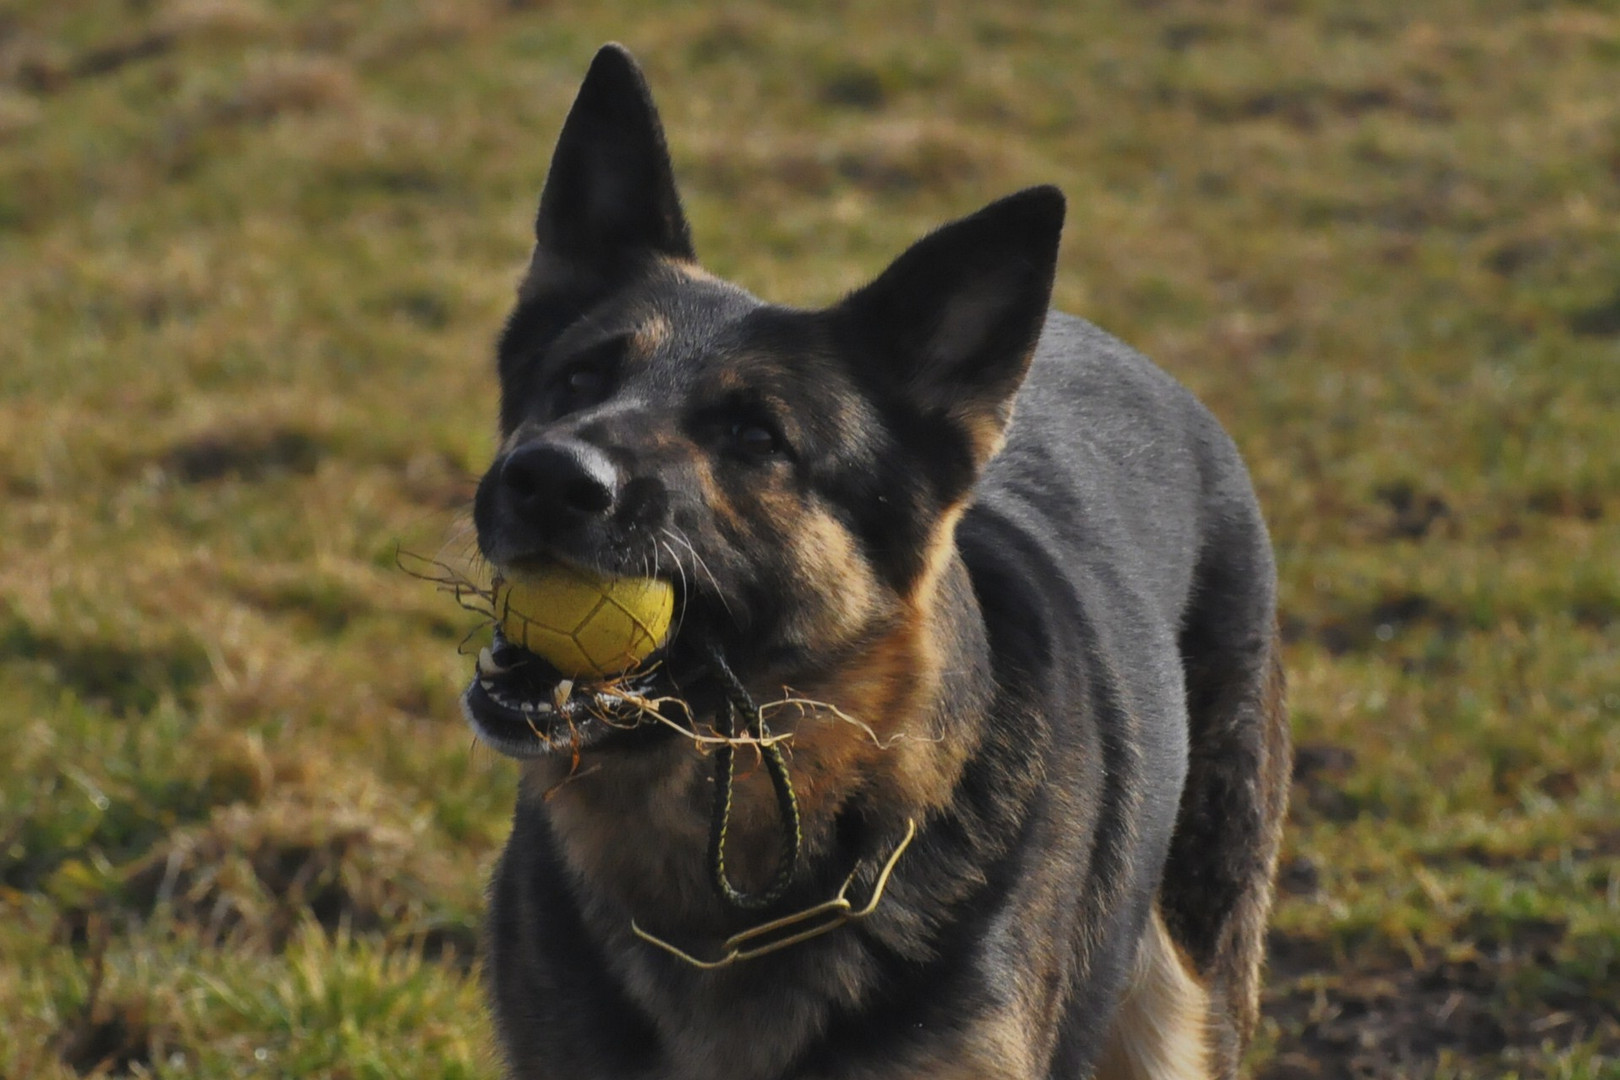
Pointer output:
560, 478
587, 494
520, 477
528, 475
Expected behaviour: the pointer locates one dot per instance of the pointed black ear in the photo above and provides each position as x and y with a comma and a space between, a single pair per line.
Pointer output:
954, 320
611, 190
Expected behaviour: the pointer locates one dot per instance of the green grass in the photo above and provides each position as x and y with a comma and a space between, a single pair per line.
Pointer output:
252, 259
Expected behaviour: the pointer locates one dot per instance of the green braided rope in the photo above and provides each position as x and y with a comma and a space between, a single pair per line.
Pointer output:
787, 803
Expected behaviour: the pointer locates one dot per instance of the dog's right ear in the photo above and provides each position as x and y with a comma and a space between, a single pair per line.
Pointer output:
610, 198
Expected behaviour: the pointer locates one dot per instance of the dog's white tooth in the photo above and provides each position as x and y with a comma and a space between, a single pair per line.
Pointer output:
487, 664
488, 686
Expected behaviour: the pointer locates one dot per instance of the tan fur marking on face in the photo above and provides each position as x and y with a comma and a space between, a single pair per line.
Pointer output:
892, 686
650, 335
941, 550
828, 564
841, 604
714, 498
1161, 1029
728, 380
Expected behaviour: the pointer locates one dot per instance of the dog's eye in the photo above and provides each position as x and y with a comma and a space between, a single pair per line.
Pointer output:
580, 388
753, 439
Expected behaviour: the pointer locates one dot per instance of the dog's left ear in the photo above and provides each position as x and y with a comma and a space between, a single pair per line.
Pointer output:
954, 320
610, 195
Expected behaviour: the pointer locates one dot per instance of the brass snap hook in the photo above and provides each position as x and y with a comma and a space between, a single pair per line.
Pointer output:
833, 914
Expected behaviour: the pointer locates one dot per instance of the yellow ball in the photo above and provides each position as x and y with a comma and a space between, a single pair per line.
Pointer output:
585, 624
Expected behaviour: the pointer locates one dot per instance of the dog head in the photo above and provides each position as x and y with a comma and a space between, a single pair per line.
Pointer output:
795, 474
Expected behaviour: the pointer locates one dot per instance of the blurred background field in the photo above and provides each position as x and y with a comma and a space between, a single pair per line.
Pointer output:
252, 259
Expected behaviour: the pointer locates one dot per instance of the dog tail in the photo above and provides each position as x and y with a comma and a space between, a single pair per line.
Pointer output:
1217, 890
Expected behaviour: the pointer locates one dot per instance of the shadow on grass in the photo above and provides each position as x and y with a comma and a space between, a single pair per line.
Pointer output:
120, 678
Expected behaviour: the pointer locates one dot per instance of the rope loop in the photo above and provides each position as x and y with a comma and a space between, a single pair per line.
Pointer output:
740, 702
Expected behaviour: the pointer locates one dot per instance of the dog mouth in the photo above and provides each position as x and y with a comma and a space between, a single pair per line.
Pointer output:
520, 705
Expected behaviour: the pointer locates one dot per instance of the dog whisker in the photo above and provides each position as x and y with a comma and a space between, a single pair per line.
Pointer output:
685, 593
674, 533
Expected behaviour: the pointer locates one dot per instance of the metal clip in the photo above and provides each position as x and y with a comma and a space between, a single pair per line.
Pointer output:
834, 913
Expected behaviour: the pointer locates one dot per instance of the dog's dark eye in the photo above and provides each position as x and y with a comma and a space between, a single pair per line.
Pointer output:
579, 389
752, 439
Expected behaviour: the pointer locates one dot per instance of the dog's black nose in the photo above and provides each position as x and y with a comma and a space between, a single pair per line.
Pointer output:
557, 481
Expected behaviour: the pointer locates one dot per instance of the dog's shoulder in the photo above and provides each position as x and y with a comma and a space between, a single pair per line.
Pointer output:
1109, 475
1086, 533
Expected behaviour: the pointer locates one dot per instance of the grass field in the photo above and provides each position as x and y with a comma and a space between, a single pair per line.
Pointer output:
252, 260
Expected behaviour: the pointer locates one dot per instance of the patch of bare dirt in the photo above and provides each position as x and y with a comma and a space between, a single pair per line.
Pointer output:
1392, 1019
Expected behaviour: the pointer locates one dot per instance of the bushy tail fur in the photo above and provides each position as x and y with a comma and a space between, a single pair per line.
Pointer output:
1217, 889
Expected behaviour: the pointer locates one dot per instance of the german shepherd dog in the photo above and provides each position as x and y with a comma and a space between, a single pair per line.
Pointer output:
974, 602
